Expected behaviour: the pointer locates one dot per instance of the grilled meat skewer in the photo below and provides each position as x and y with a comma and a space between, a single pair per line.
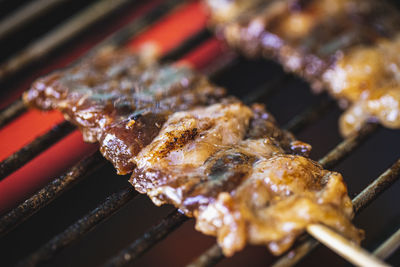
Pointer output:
186, 143
349, 47
242, 184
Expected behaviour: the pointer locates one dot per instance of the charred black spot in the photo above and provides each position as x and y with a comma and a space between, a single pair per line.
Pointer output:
135, 116
123, 106
225, 173
300, 148
299, 5
178, 141
226, 164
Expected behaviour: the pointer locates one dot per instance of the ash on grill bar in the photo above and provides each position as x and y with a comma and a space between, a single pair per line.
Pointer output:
137, 90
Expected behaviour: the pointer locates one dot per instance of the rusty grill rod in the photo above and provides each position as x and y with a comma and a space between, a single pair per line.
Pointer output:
310, 115
301, 120
11, 112
148, 239
267, 89
139, 25
28, 152
210, 257
80, 227
50, 192
388, 247
66, 31
41, 143
26, 14
116, 39
348, 145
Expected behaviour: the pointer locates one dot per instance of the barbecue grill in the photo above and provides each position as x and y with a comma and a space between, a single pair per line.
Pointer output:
61, 203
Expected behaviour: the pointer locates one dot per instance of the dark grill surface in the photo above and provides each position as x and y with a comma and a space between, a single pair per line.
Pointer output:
90, 216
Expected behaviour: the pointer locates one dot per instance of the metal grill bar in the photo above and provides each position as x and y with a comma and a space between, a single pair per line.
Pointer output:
26, 14
210, 257
148, 239
309, 116
28, 152
267, 89
361, 201
347, 146
11, 112
187, 46
214, 254
49, 193
300, 121
389, 246
80, 227
138, 25
377, 187
60, 35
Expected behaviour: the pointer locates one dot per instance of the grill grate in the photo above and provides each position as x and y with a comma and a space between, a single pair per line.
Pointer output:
389, 246
148, 239
61, 34
81, 227
116, 201
48, 193
28, 152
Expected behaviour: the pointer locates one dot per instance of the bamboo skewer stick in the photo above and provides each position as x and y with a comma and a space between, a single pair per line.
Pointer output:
389, 246
344, 247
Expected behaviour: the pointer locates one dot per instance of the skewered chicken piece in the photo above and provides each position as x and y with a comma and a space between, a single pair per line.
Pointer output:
349, 47
226, 164
229, 166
